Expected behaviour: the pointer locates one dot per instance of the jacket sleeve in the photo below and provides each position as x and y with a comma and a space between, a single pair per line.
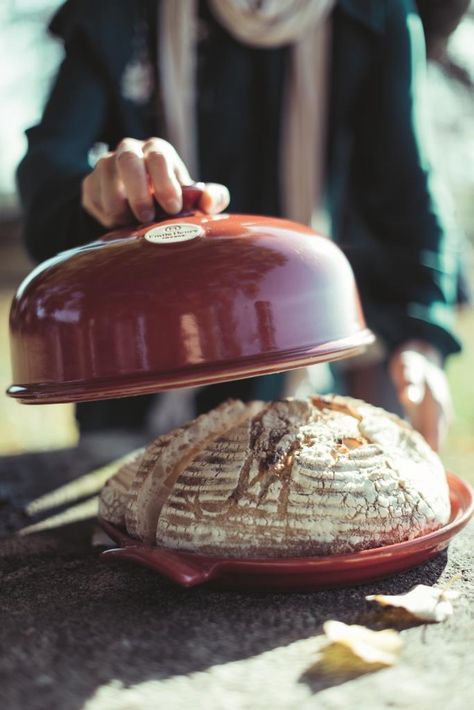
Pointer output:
49, 177
415, 244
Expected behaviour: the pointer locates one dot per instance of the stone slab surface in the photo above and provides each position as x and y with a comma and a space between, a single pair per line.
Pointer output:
76, 632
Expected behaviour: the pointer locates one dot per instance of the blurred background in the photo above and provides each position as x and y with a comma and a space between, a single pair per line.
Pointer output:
29, 59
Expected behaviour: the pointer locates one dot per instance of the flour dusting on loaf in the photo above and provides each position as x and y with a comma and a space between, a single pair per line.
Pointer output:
165, 459
115, 494
316, 476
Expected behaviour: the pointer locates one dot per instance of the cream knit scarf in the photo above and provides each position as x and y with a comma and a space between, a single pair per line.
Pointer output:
303, 24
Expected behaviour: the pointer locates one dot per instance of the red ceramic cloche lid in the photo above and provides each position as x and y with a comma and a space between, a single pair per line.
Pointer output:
190, 300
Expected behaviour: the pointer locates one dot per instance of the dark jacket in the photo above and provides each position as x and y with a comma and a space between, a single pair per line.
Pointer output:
382, 199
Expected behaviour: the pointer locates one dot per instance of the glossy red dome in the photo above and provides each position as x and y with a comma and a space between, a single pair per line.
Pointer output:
192, 300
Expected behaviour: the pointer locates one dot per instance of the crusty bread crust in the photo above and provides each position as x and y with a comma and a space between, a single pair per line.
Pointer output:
164, 460
114, 496
318, 476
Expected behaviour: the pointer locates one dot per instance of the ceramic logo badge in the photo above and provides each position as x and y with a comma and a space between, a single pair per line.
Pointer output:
174, 233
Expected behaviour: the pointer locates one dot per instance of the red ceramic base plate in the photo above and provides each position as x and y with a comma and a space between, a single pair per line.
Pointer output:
299, 573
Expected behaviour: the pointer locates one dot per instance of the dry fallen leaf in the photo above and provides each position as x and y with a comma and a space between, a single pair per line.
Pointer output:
422, 602
353, 650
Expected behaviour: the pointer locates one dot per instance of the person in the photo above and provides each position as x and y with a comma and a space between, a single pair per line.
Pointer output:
239, 94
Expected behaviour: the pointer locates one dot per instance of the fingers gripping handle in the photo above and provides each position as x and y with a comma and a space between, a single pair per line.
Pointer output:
191, 197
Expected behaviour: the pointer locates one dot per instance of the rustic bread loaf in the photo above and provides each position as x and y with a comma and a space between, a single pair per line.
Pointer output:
114, 496
323, 475
165, 459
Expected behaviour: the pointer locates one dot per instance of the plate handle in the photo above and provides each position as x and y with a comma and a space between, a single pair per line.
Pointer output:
179, 567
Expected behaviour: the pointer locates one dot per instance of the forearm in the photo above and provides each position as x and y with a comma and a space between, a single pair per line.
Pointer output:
413, 260
50, 175
54, 219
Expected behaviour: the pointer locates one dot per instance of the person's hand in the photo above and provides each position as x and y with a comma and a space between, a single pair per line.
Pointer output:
423, 389
124, 182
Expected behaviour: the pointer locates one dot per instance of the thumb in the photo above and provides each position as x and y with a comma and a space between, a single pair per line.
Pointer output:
215, 198
411, 393
408, 375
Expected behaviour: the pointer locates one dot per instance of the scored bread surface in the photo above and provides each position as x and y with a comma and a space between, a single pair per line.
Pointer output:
325, 475
114, 496
164, 460
317, 476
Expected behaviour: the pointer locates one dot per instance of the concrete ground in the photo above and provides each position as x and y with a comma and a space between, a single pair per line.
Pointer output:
76, 632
